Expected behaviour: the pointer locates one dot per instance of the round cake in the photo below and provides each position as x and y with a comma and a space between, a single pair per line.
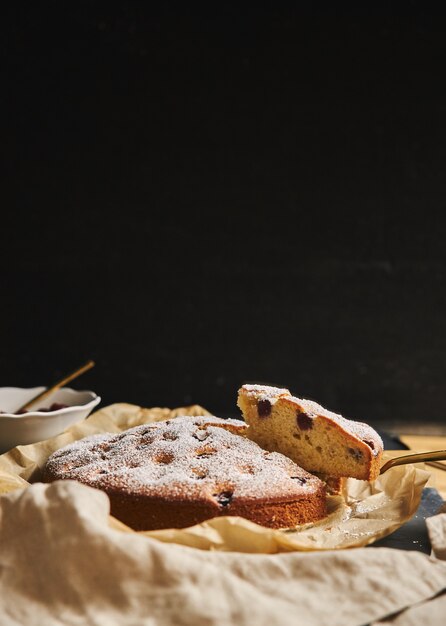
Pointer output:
180, 472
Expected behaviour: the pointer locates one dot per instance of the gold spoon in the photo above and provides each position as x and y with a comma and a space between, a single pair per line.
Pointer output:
419, 457
61, 383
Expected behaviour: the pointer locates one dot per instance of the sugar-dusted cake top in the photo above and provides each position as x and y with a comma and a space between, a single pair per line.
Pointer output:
182, 459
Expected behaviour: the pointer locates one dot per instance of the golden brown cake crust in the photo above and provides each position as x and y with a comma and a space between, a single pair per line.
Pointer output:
179, 472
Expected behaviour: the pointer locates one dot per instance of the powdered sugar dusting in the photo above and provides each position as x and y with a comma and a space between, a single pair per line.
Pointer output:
182, 458
264, 392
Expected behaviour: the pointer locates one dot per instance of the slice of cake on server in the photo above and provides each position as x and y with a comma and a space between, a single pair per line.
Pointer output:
318, 440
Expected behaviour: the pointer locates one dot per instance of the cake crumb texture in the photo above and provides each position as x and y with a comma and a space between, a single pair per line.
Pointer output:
313, 437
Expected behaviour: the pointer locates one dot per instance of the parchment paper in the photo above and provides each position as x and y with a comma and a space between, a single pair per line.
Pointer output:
370, 511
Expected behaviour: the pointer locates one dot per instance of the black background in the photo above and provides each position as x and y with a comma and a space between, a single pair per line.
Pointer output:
198, 200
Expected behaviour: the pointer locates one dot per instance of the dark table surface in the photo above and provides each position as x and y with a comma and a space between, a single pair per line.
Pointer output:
413, 534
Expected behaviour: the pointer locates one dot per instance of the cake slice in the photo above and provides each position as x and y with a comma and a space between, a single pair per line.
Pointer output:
314, 438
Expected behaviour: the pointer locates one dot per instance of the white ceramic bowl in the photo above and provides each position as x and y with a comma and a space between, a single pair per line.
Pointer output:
35, 426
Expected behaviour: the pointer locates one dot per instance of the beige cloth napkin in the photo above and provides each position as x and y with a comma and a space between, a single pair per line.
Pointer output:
61, 563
